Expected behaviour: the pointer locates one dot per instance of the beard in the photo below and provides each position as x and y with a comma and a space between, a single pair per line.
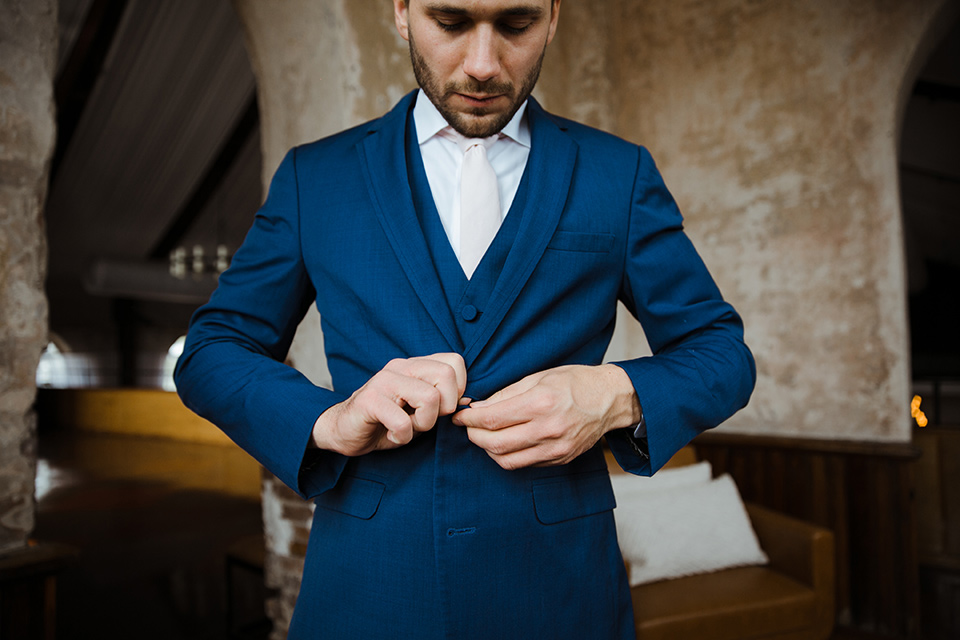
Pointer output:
478, 122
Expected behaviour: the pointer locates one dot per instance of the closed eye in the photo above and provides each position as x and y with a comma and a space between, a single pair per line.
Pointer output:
514, 28
451, 25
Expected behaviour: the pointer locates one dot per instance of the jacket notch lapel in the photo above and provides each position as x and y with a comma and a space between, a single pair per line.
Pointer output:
383, 161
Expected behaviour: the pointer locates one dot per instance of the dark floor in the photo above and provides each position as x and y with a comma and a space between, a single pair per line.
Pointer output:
152, 521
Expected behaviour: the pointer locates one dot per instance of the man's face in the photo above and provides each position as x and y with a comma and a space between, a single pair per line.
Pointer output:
477, 60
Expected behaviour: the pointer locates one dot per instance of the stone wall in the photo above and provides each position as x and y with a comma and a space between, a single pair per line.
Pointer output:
287, 519
28, 41
774, 123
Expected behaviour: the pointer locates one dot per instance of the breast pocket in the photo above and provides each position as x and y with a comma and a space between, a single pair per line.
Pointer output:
575, 496
580, 241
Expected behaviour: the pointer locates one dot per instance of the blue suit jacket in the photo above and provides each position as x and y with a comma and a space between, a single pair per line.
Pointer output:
434, 539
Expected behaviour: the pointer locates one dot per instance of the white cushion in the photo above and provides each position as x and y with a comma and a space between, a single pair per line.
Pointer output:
684, 529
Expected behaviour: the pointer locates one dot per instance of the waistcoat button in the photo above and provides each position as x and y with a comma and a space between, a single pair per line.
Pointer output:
469, 313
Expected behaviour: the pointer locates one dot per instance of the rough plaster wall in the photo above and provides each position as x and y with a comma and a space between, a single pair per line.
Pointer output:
775, 124
28, 43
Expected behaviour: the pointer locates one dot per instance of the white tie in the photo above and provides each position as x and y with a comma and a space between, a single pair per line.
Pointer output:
479, 202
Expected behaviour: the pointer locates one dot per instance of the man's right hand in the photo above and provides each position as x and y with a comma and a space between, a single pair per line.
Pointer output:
404, 398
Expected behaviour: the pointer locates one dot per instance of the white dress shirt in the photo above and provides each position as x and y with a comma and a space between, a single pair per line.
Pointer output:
442, 160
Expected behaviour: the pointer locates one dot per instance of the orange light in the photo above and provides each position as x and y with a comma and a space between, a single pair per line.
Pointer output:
915, 412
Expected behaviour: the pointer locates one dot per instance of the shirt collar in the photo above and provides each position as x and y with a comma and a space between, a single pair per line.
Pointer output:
430, 122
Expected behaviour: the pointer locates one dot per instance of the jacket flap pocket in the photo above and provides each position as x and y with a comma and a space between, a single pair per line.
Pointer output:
566, 498
577, 241
357, 497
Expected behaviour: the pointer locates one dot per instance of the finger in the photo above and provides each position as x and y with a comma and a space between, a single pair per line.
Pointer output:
432, 368
455, 362
398, 423
426, 408
451, 389
511, 391
503, 441
497, 415
531, 457
445, 372
421, 397
402, 392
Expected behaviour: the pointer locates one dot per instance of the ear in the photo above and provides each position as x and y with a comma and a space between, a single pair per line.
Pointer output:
400, 14
554, 16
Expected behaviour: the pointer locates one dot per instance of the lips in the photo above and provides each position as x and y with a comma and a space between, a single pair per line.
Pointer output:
479, 100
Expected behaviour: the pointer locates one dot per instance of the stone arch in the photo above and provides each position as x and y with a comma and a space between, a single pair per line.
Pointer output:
937, 28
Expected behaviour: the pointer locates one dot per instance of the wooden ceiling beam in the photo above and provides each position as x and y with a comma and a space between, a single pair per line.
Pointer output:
79, 75
243, 128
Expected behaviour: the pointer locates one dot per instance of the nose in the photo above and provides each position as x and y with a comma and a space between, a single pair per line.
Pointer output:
482, 59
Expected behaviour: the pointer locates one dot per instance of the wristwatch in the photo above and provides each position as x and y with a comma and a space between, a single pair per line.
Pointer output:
638, 437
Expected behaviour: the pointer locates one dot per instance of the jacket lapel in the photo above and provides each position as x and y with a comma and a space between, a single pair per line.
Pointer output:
550, 168
383, 160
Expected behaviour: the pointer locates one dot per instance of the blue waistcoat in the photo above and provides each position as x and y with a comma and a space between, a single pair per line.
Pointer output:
466, 298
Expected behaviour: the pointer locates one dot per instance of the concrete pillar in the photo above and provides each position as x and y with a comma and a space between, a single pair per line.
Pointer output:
28, 42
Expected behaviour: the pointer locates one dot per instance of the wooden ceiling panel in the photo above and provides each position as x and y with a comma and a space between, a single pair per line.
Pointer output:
175, 81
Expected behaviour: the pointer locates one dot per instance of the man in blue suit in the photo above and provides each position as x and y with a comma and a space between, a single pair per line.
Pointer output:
439, 516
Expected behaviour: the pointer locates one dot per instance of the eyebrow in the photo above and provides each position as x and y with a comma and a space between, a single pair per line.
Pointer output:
519, 10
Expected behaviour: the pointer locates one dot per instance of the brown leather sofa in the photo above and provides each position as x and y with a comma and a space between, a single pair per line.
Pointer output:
791, 598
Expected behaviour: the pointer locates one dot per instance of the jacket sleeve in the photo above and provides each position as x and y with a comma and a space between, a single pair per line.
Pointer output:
701, 371
232, 372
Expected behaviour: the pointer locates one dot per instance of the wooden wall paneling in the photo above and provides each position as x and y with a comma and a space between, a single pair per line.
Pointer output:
940, 590
870, 542
938, 513
931, 505
863, 546
821, 511
910, 566
796, 481
863, 492
950, 485
949, 599
891, 516
836, 495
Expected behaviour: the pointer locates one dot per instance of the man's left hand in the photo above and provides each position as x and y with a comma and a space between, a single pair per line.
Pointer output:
551, 417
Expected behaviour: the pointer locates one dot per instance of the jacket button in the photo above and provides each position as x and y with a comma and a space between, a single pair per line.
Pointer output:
469, 313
